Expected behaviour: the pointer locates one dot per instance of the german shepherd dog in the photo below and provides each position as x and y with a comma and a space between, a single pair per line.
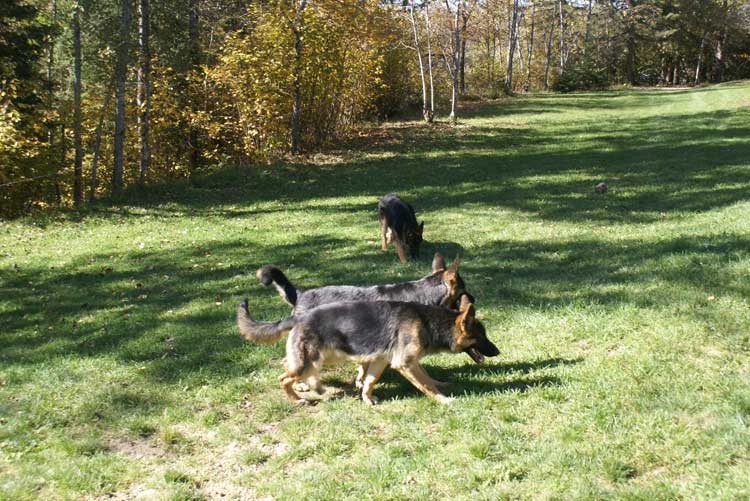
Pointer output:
376, 334
443, 287
398, 224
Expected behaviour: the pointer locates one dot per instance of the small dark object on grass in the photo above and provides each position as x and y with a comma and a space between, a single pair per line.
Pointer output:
600, 188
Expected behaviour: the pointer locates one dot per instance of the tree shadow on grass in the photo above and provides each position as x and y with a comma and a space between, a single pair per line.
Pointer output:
656, 164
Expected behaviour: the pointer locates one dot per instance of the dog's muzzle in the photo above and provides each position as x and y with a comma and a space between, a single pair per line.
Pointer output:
484, 349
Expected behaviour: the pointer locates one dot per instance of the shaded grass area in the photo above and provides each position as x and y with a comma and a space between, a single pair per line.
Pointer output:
622, 317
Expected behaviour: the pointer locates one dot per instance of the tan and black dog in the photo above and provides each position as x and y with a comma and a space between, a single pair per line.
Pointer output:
377, 334
443, 287
398, 224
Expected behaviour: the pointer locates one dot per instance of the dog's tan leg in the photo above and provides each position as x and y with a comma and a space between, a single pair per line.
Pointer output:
419, 378
374, 371
400, 250
383, 235
287, 381
313, 382
361, 371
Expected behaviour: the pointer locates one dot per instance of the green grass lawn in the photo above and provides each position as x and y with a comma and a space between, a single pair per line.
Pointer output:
622, 318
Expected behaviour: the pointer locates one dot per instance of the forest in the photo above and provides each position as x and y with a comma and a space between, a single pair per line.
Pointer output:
102, 96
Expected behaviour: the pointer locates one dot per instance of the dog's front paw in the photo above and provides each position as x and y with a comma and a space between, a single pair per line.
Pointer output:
301, 386
442, 399
370, 400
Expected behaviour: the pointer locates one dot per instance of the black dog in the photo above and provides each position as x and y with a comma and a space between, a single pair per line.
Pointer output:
444, 287
398, 223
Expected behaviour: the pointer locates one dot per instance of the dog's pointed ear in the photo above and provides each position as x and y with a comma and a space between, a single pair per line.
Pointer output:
465, 305
450, 273
438, 263
421, 228
467, 313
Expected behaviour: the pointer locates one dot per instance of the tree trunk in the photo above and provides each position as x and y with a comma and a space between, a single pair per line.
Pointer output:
429, 60
297, 26
562, 37
462, 67
462, 60
144, 87
700, 58
120, 71
512, 35
425, 110
530, 49
50, 87
78, 164
631, 59
455, 49
97, 144
548, 48
195, 59
720, 43
63, 154
588, 26
676, 77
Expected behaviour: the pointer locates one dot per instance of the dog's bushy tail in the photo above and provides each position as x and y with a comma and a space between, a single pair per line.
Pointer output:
271, 275
261, 332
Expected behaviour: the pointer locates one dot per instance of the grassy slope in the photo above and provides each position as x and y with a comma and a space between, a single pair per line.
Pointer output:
622, 318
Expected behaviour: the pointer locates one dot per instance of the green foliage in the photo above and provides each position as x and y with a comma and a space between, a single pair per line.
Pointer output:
342, 61
581, 74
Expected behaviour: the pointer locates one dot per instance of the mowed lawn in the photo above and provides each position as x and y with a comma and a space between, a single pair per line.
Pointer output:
622, 318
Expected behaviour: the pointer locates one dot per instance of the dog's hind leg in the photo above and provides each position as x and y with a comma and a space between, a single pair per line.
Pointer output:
400, 249
287, 381
361, 371
296, 364
374, 371
419, 378
383, 234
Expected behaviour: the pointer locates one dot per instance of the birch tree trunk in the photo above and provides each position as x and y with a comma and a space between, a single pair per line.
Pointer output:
120, 71
429, 60
415, 31
512, 31
462, 61
700, 58
562, 37
455, 54
530, 49
548, 48
144, 87
78, 163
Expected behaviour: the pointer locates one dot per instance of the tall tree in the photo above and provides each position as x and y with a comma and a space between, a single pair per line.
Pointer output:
144, 86
720, 42
417, 46
77, 144
120, 74
530, 48
548, 46
429, 58
455, 48
512, 39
